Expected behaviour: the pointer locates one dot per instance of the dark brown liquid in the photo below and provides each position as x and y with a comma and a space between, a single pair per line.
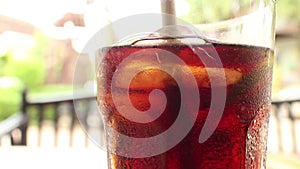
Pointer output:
239, 141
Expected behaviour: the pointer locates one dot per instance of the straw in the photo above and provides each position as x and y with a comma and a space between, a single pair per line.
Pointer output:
168, 8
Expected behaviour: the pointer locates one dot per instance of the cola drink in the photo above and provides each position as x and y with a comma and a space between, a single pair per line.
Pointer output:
239, 140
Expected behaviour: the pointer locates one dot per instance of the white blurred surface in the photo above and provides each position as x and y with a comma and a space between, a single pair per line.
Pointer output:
50, 158
94, 158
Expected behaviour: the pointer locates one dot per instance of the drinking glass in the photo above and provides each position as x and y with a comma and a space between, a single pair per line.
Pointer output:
185, 84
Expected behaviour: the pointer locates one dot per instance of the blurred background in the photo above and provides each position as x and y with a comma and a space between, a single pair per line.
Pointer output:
40, 41
36, 50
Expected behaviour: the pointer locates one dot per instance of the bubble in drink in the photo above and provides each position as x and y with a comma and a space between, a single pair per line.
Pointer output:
239, 141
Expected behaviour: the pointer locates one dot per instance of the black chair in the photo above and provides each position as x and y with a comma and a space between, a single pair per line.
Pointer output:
80, 109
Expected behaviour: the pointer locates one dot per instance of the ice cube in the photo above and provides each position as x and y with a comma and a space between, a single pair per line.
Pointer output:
148, 75
145, 77
203, 79
152, 78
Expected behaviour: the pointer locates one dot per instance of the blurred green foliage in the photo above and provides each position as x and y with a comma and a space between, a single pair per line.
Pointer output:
9, 102
30, 71
16, 73
288, 9
212, 11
